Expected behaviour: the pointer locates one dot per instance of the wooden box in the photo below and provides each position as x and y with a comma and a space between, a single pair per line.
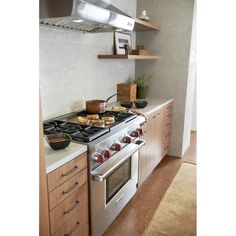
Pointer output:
126, 92
141, 52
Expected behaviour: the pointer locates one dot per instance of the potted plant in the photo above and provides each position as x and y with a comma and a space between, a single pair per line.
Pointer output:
142, 82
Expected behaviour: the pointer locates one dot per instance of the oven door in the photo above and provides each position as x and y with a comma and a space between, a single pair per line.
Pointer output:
112, 186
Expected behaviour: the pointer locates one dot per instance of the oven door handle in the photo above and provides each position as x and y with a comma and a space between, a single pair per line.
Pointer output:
111, 165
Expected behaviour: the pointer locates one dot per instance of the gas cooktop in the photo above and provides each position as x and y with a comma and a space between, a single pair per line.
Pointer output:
85, 132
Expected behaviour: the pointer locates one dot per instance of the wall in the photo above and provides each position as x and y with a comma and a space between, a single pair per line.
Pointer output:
194, 114
70, 70
190, 88
172, 43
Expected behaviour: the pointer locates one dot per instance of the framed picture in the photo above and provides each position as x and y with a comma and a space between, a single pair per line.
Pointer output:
121, 39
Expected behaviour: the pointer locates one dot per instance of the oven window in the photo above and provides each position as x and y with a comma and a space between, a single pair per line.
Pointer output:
116, 180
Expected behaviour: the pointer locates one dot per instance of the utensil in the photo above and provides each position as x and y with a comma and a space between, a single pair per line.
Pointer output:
97, 106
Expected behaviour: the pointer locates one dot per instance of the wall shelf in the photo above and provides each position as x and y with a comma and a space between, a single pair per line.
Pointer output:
141, 25
129, 57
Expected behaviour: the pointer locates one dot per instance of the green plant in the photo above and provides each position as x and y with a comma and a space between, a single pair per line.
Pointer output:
143, 80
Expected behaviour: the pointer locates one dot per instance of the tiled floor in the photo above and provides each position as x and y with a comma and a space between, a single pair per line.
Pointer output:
137, 214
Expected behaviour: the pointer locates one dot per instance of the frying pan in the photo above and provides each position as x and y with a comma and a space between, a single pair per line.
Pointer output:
97, 106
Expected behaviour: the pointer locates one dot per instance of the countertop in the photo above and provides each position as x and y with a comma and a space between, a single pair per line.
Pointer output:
55, 159
154, 103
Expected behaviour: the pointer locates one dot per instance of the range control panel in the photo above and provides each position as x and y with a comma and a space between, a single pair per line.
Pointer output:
109, 147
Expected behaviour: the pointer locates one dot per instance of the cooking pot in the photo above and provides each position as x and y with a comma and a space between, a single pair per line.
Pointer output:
97, 106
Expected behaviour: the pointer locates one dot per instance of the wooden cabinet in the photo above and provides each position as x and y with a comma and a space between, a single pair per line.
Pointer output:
167, 110
154, 140
65, 172
68, 198
156, 133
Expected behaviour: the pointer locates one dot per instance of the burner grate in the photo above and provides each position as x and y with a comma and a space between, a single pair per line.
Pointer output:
82, 133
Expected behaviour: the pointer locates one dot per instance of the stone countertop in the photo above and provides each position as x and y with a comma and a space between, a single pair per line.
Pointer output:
55, 159
154, 103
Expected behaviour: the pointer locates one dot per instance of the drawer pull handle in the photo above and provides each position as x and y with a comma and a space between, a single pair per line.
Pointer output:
167, 135
68, 234
71, 188
156, 115
70, 171
69, 210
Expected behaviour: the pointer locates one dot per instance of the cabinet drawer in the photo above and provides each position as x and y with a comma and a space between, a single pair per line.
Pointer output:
144, 128
80, 231
63, 212
77, 225
168, 115
166, 143
63, 191
169, 107
167, 124
167, 134
65, 172
156, 114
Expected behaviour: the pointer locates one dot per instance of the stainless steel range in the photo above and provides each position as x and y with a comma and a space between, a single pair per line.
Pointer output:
113, 161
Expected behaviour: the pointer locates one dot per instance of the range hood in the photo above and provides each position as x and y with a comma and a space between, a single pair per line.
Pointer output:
84, 15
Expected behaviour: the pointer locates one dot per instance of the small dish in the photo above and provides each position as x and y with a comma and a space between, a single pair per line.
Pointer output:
140, 104
58, 141
128, 105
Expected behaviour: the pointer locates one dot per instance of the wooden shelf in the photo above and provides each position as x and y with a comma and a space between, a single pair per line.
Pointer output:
129, 57
141, 25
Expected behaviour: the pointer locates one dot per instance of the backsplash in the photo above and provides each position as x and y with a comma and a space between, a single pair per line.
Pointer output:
70, 70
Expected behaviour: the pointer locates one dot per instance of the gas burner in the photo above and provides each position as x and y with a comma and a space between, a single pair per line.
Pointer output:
81, 133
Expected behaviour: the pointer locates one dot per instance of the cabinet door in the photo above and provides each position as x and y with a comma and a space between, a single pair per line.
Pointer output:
154, 140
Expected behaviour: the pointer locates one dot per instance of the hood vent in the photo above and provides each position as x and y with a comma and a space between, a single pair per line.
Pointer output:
84, 16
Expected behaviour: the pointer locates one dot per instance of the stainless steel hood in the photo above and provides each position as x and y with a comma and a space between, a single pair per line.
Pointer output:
84, 16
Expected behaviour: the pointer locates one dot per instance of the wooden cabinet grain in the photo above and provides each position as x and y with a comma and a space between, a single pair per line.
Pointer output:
167, 120
68, 198
156, 134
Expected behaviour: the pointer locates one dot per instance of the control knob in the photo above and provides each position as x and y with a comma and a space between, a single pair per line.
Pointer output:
135, 133
116, 147
127, 139
140, 131
99, 158
107, 154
